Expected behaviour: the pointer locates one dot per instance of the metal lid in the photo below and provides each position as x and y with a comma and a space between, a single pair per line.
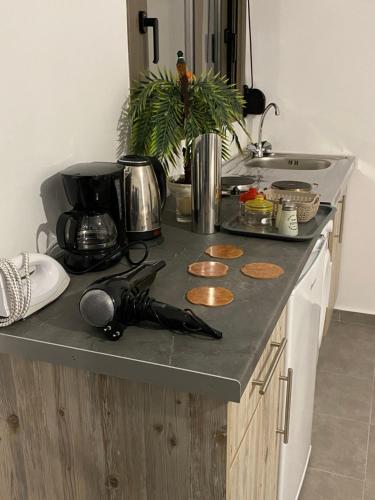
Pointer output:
134, 160
93, 169
289, 206
237, 180
236, 184
292, 185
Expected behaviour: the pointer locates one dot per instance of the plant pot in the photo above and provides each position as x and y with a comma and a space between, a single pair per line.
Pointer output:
182, 194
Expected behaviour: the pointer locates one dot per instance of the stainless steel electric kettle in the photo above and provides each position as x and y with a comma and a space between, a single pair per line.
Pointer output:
145, 194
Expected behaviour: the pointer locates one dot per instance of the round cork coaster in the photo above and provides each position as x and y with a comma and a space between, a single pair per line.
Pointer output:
262, 270
208, 269
210, 296
224, 251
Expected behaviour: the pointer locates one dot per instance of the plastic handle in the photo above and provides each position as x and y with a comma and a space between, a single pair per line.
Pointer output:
144, 274
64, 243
161, 178
150, 22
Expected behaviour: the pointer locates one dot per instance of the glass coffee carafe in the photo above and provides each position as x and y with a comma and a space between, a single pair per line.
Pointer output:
96, 232
85, 232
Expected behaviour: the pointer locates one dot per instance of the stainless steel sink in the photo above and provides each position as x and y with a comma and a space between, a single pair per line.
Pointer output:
290, 162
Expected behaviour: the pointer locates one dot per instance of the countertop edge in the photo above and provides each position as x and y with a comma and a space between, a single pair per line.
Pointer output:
123, 368
215, 387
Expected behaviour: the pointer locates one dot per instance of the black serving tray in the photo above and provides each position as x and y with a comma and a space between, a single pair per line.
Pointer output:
306, 231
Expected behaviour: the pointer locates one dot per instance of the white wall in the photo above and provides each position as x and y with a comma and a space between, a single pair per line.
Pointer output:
64, 77
316, 60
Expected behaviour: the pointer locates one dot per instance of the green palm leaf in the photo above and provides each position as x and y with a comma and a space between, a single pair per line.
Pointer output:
158, 123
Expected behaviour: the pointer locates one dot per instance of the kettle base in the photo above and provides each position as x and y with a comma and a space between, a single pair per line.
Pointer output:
143, 235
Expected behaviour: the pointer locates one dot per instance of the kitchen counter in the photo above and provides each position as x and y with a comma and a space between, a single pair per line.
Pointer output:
219, 369
125, 419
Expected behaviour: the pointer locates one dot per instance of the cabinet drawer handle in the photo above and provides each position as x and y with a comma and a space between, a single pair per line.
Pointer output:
288, 401
341, 230
266, 382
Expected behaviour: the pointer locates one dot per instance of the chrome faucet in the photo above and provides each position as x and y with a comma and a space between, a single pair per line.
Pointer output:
260, 149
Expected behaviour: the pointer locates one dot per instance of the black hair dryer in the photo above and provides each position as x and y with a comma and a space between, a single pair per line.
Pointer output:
115, 302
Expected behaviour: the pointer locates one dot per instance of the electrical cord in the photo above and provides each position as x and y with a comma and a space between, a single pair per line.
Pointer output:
14, 281
251, 43
122, 249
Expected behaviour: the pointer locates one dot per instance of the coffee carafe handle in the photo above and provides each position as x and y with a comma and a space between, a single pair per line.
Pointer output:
66, 241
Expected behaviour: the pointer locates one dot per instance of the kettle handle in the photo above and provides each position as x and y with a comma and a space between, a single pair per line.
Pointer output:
68, 243
161, 178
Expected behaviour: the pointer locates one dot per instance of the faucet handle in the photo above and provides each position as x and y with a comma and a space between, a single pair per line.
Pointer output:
252, 149
258, 150
266, 148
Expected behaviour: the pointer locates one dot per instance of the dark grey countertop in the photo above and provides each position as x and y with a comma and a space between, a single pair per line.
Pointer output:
219, 369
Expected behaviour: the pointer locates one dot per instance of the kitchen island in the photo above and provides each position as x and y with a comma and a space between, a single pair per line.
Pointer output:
152, 416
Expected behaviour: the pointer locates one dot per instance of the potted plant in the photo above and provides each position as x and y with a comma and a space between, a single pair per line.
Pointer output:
167, 112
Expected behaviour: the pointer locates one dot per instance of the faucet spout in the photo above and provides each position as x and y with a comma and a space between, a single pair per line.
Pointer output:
277, 113
260, 149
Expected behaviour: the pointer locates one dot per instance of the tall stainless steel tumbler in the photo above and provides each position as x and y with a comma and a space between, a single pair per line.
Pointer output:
206, 184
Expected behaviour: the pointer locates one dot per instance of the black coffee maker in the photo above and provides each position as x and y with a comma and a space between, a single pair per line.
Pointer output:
92, 234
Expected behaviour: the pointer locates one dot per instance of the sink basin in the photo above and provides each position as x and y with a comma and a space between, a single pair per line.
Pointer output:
328, 173
289, 163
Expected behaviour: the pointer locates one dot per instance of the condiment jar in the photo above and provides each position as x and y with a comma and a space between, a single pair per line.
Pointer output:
288, 224
258, 212
278, 212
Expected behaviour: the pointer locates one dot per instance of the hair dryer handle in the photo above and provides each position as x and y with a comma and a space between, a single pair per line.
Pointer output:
183, 320
144, 275
66, 241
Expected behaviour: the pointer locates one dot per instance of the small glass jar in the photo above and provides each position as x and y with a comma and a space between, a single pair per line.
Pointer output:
258, 212
182, 194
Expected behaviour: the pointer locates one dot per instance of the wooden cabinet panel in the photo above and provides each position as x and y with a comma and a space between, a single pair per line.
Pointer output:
68, 434
254, 472
240, 414
246, 479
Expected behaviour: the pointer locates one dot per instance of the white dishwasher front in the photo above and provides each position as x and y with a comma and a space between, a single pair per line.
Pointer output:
304, 311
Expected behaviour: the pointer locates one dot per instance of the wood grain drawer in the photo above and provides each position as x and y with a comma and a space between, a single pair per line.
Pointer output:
253, 474
240, 414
